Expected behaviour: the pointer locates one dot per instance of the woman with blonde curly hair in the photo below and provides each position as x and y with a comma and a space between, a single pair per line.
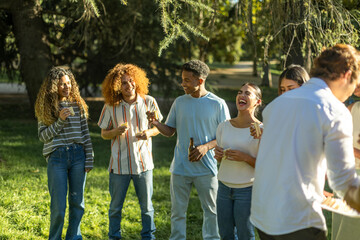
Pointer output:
124, 121
62, 126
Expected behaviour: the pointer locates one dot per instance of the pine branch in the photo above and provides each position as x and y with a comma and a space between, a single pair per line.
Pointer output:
198, 5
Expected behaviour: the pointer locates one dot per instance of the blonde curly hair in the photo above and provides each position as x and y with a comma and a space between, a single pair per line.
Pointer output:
111, 86
47, 101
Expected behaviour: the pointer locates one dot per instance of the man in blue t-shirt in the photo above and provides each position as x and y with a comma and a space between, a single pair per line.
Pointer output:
194, 115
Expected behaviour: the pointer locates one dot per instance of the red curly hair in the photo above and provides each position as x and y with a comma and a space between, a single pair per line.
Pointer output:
111, 86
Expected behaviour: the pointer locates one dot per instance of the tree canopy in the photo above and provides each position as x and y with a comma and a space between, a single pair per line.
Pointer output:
91, 36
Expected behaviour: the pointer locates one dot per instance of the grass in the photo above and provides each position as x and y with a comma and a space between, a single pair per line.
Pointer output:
25, 201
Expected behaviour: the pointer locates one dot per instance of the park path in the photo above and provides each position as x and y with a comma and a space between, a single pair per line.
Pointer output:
236, 75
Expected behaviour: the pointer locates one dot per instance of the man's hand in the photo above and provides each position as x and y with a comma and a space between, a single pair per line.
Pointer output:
144, 135
352, 198
327, 194
120, 130
113, 133
152, 117
198, 153
87, 170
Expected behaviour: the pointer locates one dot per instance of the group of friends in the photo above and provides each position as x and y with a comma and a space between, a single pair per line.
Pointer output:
272, 180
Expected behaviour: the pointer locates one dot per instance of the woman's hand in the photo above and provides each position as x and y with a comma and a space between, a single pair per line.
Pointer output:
219, 153
254, 133
234, 155
87, 170
64, 113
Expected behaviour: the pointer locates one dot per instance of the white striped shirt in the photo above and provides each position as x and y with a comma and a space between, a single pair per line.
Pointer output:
129, 155
62, 133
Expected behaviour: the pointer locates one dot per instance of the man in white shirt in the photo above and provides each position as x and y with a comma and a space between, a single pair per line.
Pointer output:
306, 132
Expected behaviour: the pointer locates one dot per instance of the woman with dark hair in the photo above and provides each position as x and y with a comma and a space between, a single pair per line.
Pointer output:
292, 77
236, 151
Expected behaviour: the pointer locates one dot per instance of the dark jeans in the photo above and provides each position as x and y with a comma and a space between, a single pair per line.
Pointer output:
66, 170
304, 234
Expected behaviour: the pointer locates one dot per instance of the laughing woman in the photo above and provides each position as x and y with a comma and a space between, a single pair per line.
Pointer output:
236, 151
62, 126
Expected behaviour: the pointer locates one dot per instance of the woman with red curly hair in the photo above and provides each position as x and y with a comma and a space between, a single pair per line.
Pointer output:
123, 119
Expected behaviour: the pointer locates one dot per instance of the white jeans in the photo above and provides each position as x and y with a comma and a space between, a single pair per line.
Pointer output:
180, 188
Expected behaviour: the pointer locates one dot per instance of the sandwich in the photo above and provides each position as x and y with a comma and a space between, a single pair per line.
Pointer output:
125, 124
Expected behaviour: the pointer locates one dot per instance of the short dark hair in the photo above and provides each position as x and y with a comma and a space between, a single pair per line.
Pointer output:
294, 72
197, 67
335, 61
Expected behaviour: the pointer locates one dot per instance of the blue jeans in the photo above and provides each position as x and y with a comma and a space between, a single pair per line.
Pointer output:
180, 188
118, 186
66, 165
233, 211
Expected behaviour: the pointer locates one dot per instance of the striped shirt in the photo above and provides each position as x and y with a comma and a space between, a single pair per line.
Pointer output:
129, 155
62, 133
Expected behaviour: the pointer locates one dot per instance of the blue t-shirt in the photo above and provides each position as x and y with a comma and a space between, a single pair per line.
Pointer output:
197, 118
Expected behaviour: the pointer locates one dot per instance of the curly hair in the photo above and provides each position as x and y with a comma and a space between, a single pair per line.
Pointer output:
335, 61
111, 86
294, 72
197, 67
47, 101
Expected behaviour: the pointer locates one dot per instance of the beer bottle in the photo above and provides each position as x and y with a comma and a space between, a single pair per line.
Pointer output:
191, 147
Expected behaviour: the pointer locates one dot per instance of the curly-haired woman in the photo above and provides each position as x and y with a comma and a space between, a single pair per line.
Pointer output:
124, 121
62, 126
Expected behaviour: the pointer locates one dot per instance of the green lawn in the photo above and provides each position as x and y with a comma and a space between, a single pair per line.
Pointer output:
24, 201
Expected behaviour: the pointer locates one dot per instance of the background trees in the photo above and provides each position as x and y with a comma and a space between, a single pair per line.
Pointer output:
92, 35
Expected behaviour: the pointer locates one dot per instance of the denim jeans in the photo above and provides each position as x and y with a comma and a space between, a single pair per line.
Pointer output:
66, 165
233, 211
118, 186
180, 188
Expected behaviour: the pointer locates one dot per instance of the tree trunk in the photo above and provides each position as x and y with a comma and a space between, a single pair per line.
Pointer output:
297, 11
30, 34
253, 37
308, 61
266, 79
254, 71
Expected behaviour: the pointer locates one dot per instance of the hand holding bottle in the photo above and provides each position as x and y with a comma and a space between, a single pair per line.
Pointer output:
152, 116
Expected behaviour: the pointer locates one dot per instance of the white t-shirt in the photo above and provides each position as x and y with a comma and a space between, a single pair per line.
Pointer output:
302, 128
233, 173
355, 113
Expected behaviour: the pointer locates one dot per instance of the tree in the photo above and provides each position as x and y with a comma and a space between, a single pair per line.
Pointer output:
296, 30
82, 34
304, 27
29, 31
